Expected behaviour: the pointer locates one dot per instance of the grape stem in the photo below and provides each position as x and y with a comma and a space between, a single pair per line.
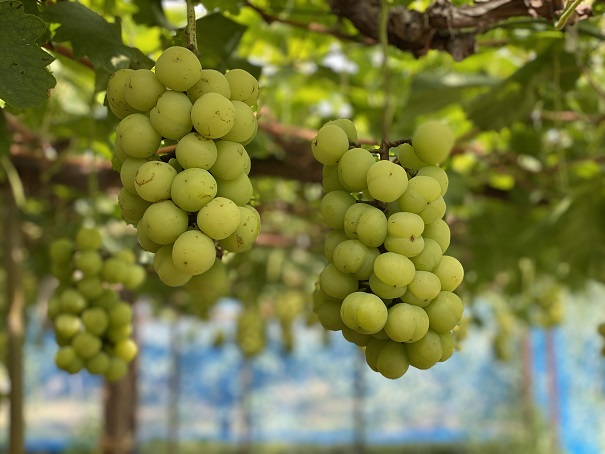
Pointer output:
383, 151
190, 30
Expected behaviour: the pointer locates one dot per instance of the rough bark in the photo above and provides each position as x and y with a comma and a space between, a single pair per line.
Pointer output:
442, 26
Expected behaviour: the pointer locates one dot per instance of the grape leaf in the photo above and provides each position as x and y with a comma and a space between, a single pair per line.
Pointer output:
90, 35
231, 6
24, 79
217, 38
151, 13
430, 92
514, 98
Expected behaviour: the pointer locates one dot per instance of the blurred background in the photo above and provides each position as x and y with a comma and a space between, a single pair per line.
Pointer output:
254, 371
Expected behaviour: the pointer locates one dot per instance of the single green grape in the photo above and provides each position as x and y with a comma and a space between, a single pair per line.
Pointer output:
98, 364
438, 174
211, 80
347, 126
439, 231
450, 272
88, 238
244, 86
425, 285
433, 142
426, 352
392, 361
192, 189
245, 125
238, 189
89, 262
430, 256
232, 160
86, 344
353, 169
363, 312
406, 323
153, 181
407, 157
132, 206
333, 207
333, 239
195, 150
171, 116
386, 181
349, 256
330, 180
219, 218
394, 269
142, 89
329, 315
213, 115
444, 312
330, 144
245, 234
115, 93
61, 250
67, 325
164, 222
366, 269
137, 136
336, 283
193, 252
178, 68
384, 290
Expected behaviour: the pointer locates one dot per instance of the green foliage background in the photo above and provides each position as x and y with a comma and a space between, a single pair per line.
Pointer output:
527, 196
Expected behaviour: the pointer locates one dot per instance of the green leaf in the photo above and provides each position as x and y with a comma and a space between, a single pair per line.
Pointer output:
430, 92
90, 35
217, 39
24, 79
231, 6
151, 13
515, 97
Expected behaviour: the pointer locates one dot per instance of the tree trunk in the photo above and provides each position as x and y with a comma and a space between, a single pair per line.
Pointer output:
119, 414
15, 320
120, 405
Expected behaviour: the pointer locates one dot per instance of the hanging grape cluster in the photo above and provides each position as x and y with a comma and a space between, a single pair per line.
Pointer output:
388, 285
92, 325
190, 201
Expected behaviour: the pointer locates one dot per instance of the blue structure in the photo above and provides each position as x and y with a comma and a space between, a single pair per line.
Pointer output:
309, 396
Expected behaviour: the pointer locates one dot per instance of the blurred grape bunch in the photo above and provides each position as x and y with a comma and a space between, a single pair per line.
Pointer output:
91, 321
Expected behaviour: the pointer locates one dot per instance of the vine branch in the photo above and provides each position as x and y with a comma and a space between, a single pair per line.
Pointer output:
442, 26
191, 30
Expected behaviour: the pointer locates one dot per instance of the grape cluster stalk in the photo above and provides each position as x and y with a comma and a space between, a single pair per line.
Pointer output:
92, 324
190, 205
388, 285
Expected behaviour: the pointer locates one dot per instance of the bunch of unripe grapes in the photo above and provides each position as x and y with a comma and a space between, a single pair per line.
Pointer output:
92, 325
250, 332
194, 199
389, 284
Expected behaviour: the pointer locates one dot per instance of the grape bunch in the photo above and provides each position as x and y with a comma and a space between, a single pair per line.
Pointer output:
388, 285
92, 325
193, 201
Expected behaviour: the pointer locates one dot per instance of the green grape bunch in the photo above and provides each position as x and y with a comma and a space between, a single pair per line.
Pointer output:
189, 204
92, 324
389, 283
